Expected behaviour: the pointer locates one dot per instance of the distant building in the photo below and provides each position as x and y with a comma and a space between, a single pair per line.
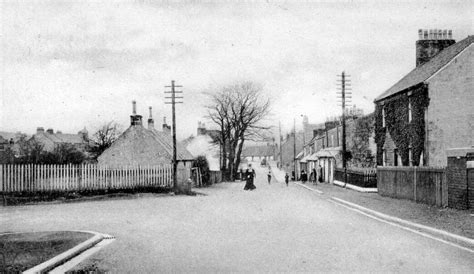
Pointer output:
203, 144
258, 153
140, 146
9, 147
290, 148
50, 139
430, 109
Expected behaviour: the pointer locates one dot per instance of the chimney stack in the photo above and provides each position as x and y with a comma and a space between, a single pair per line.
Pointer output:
50, 131
135, 119
201, 129
166, 127
151, 122
39, 130
431, 42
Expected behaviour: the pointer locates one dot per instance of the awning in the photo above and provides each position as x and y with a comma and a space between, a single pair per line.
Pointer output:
305, 159
313, 157
299, 156
330, 152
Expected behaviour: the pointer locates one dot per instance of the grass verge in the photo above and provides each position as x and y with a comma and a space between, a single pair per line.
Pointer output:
21, 251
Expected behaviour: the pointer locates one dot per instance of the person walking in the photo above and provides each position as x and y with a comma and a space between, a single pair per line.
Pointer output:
320, 174
287, 178
313, 176
269, 175
249, 176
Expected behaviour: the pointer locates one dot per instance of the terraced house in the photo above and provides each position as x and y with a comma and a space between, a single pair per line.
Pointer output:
430, 110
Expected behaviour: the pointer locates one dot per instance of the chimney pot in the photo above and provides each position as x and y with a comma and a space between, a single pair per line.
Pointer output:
450, 34
420, 34
151, 122
134, 107
427, 48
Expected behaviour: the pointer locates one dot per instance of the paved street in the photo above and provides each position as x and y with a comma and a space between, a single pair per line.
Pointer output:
271, 229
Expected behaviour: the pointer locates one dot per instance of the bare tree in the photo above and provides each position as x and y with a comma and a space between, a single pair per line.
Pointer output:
104, 137
238, 110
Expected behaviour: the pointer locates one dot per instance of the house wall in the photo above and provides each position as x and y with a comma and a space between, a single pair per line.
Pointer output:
288, 151
450, 115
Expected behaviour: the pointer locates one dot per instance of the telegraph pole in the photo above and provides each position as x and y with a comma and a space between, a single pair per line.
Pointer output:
173, 110
346, 96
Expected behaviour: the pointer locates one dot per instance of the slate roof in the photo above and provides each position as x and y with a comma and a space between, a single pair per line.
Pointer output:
141, 146
425, 71
166, 140
11, 135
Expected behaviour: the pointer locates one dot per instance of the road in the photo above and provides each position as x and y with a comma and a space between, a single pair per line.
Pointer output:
271, 229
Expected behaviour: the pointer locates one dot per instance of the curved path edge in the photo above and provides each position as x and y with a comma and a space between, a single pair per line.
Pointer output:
69, 254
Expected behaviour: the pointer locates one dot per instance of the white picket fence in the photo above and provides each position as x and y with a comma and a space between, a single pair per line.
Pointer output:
44, 178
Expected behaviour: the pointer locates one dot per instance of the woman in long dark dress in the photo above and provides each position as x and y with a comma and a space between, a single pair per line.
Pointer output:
249, 176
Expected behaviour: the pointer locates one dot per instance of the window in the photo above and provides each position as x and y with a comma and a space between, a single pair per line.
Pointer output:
410, 156
383, 117
409, 110
384, 157
339, 137
395, 157
332, 140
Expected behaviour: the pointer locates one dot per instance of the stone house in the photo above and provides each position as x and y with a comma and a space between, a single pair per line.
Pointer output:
430, 109
140, 146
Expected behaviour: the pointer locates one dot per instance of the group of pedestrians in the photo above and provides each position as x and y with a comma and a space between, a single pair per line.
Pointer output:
250, 175
313, 176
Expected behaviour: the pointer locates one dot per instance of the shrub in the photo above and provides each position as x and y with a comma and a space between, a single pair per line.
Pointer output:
201, 163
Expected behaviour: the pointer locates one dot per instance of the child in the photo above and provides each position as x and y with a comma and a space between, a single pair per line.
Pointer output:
287, 177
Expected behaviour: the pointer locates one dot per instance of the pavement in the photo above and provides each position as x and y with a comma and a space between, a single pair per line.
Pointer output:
459, 222
274, 228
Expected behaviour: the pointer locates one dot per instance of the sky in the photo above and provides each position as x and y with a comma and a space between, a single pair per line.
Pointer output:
67, 65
